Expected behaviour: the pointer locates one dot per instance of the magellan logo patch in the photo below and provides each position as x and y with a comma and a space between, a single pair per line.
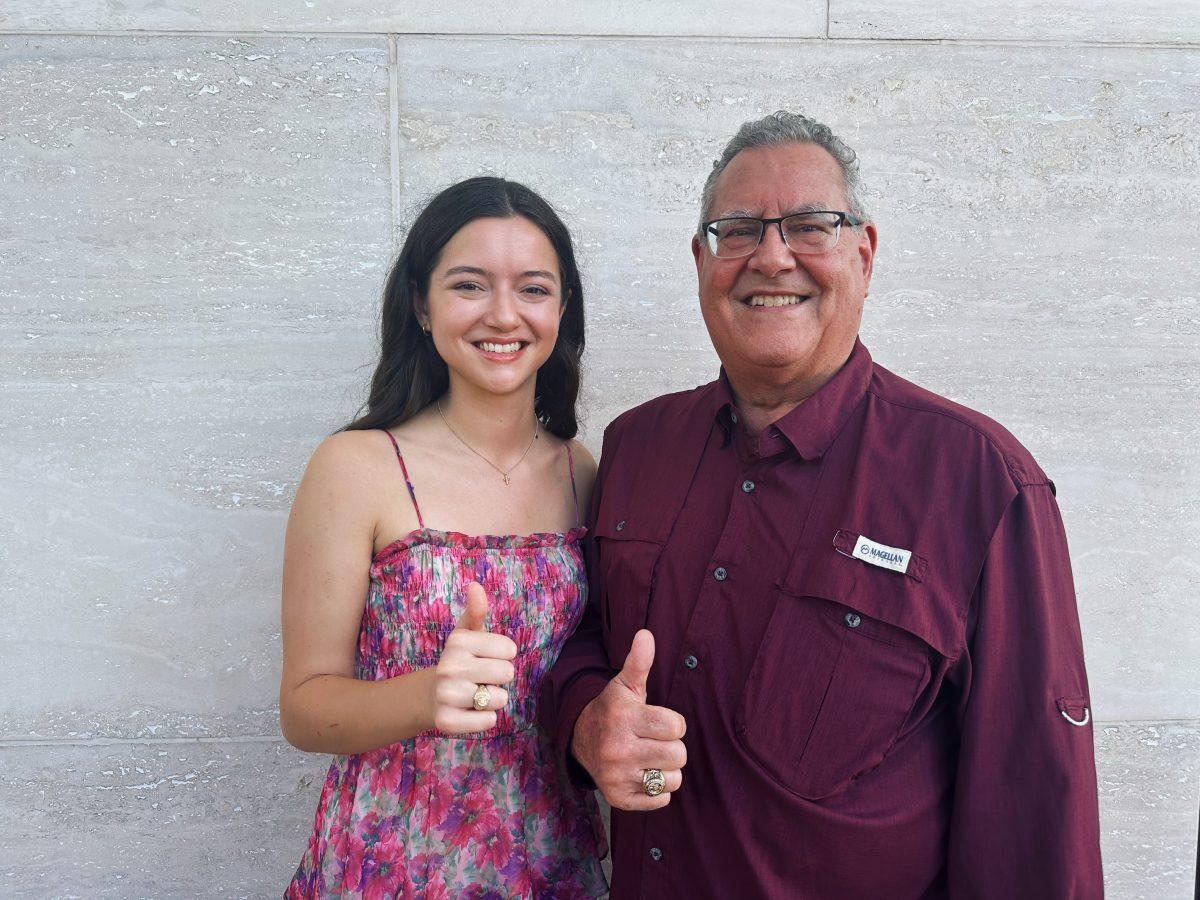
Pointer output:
881, 555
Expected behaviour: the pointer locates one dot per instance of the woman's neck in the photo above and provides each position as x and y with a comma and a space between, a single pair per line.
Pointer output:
498, 426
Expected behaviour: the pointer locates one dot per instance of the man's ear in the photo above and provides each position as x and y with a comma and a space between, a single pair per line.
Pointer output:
697, 250
866, 251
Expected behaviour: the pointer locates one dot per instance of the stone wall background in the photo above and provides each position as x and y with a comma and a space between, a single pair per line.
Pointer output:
198, 203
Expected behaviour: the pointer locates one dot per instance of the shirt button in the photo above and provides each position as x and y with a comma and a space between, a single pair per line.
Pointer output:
691, 662
621, 525
655, 854
748, 486
733, 416
853, 620
721, 573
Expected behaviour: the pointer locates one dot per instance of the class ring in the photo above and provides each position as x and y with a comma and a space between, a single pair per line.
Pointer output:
653, 782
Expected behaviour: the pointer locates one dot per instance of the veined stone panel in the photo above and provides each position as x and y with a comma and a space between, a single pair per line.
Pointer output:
1149, 782
734, 18
187, 819
194, 237
1132, 21
1038, 258
160, 819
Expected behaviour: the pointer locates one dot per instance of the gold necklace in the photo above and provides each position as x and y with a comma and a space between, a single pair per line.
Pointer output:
507, 479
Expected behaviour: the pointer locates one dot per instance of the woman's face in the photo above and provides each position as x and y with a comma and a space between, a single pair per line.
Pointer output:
494, 303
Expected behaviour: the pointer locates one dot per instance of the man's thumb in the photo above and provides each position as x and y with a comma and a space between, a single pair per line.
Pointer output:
637, 664
477, 607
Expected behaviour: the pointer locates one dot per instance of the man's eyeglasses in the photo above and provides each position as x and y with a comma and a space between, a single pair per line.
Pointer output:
810, 232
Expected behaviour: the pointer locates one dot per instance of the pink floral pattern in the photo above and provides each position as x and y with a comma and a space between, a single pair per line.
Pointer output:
487, 815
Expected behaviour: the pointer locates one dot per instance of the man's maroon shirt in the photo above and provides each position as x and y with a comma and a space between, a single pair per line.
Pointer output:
852, 730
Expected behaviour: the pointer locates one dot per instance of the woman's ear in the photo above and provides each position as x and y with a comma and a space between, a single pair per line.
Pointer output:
562, 307
420, 308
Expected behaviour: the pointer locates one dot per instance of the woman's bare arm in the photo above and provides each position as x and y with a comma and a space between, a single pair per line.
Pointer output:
327, 555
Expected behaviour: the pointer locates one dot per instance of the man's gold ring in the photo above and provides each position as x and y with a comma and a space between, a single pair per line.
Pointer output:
653, 782
482, 697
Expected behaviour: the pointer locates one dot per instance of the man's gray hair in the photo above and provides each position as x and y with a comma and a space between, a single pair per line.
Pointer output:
788, 128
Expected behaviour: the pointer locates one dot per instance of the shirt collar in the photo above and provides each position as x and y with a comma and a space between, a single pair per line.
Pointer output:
813, 425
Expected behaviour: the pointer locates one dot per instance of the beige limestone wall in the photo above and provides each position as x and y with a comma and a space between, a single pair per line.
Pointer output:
199, 205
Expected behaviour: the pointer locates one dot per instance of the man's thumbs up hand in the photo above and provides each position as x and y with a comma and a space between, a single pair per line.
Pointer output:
619, 737
636, 670
474, 663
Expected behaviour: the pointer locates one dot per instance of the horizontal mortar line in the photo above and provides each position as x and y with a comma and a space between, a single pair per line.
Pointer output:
14, 743
616, 36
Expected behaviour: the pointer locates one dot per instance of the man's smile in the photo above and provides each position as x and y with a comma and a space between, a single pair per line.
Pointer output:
775, 300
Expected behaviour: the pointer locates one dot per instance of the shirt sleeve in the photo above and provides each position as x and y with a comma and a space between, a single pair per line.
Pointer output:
1025, 821
582, 670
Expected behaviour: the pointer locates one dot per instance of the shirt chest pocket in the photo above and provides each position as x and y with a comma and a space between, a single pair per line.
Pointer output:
625, 556
836, 677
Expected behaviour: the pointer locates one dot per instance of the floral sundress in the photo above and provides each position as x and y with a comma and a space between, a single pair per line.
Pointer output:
486, 815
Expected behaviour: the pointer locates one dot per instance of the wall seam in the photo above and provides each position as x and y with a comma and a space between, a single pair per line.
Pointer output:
708, 39
21, 743
394, 132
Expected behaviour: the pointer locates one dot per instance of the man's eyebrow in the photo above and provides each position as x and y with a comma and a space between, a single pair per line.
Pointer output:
807, 208
793, 211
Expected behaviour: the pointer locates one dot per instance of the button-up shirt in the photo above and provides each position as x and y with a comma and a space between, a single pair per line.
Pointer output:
866, 615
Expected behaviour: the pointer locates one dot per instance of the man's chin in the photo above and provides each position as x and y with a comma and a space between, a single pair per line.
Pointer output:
770, 361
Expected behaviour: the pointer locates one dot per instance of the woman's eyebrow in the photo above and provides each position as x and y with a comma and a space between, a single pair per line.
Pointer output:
475, 270
466, 270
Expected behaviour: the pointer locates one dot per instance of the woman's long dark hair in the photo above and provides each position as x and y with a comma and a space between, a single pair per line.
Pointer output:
411, 374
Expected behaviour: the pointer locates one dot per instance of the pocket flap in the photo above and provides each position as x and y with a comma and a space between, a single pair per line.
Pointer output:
910, 601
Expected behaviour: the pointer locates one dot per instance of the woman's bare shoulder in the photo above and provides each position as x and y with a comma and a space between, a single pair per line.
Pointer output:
351, 454
585, 470
584, 461
348, 467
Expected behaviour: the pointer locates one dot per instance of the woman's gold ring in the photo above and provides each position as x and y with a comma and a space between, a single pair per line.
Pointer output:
482, 697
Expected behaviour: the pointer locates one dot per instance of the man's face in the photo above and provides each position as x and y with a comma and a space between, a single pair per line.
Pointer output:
771, 344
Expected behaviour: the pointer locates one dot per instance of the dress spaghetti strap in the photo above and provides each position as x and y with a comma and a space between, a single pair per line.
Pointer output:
413, 494
574, 492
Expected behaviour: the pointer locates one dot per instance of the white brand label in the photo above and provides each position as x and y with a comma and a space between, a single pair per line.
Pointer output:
881, 555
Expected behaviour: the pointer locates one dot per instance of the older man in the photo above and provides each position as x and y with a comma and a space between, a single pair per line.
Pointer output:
841, 606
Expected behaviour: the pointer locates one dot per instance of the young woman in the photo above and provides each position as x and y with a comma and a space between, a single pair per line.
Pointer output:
432, 571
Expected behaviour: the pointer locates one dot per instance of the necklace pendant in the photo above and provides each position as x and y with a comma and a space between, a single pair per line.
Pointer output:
507, 480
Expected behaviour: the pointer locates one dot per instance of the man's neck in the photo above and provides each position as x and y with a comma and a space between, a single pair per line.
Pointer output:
765, 397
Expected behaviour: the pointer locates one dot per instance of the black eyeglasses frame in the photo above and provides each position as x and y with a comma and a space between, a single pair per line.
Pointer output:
844, 218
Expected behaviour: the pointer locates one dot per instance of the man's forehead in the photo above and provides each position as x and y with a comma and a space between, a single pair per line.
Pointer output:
785, 179
784, 210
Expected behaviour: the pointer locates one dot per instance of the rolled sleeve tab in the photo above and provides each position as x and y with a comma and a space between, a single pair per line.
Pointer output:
1075, 710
